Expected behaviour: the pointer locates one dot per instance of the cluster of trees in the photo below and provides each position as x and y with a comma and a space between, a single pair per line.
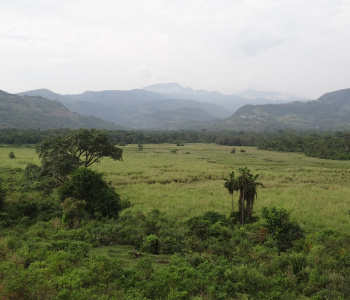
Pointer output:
335, 145
65, 162
247, 186
19, 137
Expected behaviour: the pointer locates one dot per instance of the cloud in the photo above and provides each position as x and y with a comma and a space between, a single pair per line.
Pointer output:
221, 44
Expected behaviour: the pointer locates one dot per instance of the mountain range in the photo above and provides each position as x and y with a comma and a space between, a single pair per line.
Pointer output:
160, 106
172, 107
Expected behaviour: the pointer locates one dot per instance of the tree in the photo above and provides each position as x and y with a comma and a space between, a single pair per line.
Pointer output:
248, 191
247, 186
61, 155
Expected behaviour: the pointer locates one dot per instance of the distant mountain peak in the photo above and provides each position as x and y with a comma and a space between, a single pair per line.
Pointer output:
270, 95
169, 85
3, 93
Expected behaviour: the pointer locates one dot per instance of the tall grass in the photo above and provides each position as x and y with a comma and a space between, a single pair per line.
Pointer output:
188, 180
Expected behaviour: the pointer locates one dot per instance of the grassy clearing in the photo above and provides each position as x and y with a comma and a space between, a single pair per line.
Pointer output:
125, 254
188, 180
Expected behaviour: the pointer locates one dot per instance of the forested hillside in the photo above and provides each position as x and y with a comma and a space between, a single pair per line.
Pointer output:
40, 113
329, 112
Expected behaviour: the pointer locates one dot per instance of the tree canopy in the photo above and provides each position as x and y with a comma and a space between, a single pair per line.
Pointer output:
61, 155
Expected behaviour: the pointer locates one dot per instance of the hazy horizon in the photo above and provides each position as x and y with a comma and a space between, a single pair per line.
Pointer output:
293, 47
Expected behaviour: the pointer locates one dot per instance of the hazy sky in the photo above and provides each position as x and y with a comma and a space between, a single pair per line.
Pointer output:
69, 46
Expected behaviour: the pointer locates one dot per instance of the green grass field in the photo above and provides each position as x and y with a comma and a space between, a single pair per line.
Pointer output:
185, 181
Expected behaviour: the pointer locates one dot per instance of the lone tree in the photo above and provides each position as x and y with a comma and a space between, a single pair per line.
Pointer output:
247, 186
63, 154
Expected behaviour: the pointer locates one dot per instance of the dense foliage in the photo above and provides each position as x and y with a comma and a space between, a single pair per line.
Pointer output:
327, 145
87, 191
210, 256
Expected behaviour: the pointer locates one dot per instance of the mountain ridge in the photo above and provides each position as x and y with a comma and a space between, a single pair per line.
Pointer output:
331, 111
39, 113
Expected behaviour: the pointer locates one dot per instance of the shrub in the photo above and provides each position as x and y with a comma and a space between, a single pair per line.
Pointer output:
281, 229
12, 155
73, 211
88, 185
151, 244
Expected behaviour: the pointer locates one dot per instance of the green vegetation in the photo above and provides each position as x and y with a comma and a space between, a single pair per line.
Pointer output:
327, 145
178, 239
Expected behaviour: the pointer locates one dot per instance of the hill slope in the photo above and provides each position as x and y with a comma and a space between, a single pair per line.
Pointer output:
330, 111
39, 113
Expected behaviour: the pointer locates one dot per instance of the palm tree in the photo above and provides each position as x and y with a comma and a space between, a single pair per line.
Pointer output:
242, 184
251, 195
247, 186
230, 185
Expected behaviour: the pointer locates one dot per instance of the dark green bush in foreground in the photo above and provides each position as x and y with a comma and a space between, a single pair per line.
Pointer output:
100, 200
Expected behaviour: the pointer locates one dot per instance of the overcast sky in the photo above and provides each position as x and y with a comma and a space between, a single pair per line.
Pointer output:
70, 46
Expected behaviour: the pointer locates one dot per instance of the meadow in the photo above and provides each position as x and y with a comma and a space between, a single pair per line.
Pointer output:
186, 181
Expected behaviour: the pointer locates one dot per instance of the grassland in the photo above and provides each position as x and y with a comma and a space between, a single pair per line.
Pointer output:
185, 181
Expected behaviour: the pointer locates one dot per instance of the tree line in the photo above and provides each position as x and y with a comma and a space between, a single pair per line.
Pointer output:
319, 144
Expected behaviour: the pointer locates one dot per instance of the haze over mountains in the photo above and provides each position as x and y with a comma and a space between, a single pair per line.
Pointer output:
161, 106
172, 107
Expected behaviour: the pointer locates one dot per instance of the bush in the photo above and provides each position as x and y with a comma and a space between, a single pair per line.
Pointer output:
85, 184
73, 211
151, 244
12, 155
281, 229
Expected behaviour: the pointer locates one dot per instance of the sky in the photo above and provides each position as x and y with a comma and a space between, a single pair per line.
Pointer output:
69, 46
